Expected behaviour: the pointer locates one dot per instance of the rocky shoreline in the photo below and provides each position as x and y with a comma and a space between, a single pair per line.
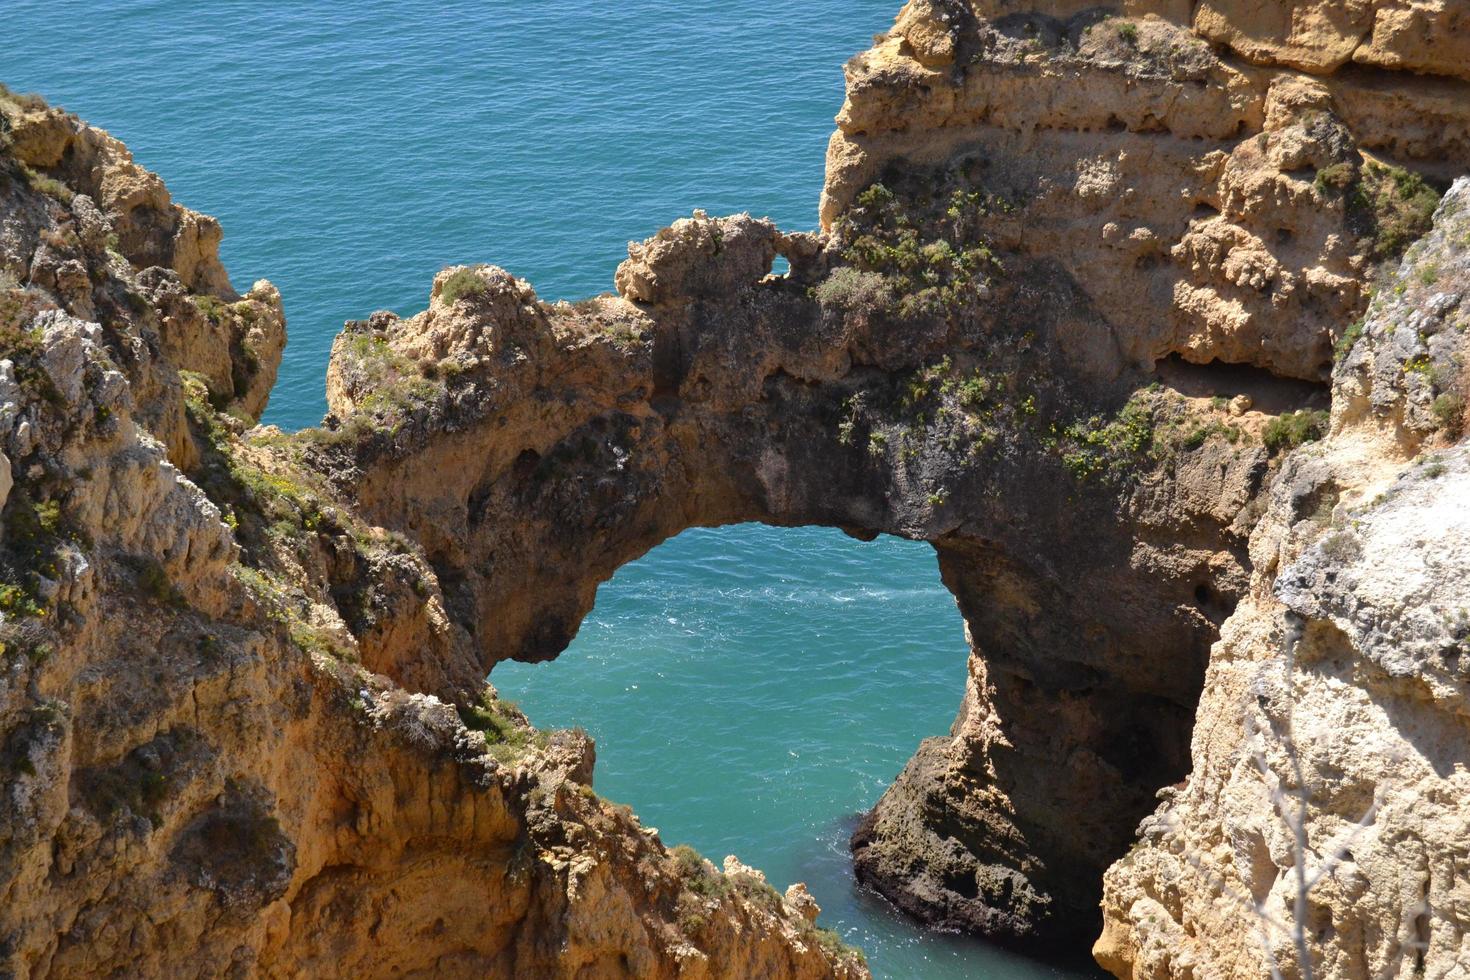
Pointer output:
1151, 321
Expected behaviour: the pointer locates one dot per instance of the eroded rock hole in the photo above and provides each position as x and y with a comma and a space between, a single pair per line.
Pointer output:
1212, 604
1267, 392
963, 883
753, 689
525, 464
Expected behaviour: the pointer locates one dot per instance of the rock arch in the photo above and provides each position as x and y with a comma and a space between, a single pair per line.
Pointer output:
972, 357
552, 444
978, 352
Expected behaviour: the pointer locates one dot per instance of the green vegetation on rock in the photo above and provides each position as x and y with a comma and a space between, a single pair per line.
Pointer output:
1449, 412
395, 389
1098, 445
23, 347
910, 262
507, 732
1287, 432
1394, 205
35, 532
460, 284
1348, 340
697, 874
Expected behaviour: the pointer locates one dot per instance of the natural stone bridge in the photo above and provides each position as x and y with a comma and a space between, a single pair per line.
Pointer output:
1081, 284
1092, 539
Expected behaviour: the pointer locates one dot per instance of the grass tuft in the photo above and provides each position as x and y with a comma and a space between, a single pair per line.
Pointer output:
461, 284
1294, 429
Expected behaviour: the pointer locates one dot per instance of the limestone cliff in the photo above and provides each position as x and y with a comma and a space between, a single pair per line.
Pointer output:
1096, 309
219, 746
1336, 701
1219, 183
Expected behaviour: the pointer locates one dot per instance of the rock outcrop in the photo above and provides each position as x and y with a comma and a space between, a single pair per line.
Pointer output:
1210, 205
1093, 310
1336, 700
220, 746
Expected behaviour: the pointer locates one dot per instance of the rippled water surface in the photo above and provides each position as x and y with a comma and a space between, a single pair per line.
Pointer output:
353, 149
750, 689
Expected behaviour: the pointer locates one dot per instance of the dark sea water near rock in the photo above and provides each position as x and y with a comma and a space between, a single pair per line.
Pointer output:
751, 689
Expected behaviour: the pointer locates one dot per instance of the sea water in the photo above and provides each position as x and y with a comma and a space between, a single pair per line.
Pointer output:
751, 689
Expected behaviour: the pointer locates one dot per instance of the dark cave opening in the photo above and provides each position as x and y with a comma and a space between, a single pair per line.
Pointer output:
1270, 393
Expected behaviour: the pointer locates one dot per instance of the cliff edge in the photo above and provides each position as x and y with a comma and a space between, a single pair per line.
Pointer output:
221, 748
1148, 319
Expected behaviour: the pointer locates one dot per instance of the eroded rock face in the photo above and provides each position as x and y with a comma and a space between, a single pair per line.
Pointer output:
1177, 182
1213, 205
221, 753
1351, 651
89, 232
915, 375
1082, 285
1321, 37
1052, 303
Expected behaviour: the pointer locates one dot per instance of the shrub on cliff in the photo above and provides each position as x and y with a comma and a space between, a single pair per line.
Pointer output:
29, 101
23, 347
507, 732
1396, 205
1337, 176
35, 529
1449, 412
1348, 340
1100, 446
24, 637
697, 874
464, 282
854, 291
915, 253
210, 306
44, 184
1293, 429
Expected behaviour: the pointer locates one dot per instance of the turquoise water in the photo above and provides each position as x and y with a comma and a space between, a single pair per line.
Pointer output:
352, 150
752, 689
